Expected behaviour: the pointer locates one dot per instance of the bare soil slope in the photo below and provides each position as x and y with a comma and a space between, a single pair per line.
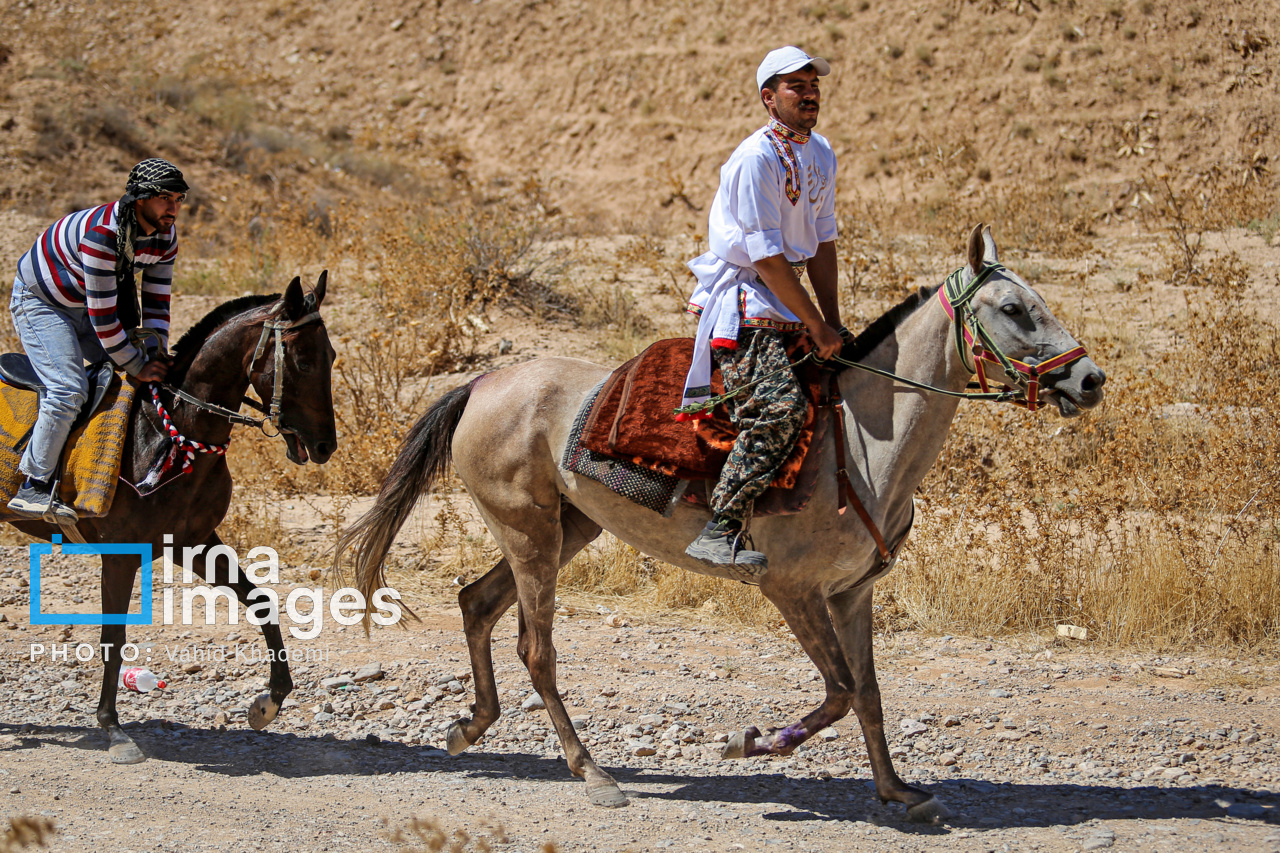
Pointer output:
620, 113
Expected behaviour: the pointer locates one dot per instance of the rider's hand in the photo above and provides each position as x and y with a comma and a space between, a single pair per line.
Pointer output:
826, 340
153, 371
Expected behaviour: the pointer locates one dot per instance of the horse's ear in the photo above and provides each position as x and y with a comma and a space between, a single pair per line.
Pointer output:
294, 299
975, 250
318, 293
989, 246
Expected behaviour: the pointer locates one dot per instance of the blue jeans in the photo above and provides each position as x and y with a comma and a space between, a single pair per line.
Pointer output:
57, 340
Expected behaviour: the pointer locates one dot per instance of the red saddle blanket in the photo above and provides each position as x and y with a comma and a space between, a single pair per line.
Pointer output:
633, 418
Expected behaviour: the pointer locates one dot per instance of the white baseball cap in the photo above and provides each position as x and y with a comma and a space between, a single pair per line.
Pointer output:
784, 60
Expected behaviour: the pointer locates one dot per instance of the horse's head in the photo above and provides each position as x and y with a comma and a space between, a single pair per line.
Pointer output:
296, 344
1011, 320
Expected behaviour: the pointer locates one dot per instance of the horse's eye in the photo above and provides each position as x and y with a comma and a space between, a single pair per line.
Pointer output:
305, 366
1011, 309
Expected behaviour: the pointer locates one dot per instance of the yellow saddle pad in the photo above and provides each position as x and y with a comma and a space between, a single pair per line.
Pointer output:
92, 458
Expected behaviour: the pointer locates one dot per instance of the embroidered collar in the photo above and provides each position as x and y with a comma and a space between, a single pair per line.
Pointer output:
787, 133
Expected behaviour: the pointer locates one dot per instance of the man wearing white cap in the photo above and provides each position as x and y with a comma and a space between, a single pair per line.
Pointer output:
773, 217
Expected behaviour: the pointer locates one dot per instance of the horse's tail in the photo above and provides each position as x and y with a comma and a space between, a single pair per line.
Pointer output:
424, 454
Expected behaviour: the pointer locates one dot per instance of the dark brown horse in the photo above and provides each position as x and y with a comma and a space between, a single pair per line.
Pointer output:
215, 362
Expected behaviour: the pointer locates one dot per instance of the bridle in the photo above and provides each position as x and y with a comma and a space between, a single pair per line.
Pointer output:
957, 300
271, 326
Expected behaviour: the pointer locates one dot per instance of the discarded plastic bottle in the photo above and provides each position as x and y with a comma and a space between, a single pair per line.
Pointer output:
139, 679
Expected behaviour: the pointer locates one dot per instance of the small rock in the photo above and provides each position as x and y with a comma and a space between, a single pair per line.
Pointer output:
947, 759
949, 721
615, 620
371, 671
533, 703
3, 618
314, 574
651, 720
672, 734
337, 682
386, 705
911, 728
504, 346
322, 717
828, 734
1073, 632
1168, 672
1000, 694
1099, 841
580, 722
397, 24
641, 748
192, 668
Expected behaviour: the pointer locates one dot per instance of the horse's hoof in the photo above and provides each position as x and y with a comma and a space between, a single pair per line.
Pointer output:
262, 712
455, 740
930, 811
126, 753
736, 747
607, 795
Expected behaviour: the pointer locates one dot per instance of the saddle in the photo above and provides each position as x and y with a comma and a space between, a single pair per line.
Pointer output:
632, 420
16, 370
91, 457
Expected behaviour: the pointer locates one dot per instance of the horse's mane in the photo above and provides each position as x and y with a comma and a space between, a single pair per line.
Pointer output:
873, 335
189, 344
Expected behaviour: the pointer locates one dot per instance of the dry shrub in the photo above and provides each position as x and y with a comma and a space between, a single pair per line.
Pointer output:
24, 832
427, 835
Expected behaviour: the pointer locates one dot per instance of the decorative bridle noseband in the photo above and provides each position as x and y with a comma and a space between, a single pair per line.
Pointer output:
972, 339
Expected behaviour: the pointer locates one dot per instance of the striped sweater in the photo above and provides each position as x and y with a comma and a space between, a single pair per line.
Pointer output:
73, 263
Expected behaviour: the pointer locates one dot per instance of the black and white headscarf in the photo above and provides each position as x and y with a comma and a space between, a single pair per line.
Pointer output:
147, 180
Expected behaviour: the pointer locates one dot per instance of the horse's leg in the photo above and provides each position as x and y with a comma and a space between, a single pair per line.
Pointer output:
851, 614
532, 543
806, 613
264, 708
118, 571
483, 603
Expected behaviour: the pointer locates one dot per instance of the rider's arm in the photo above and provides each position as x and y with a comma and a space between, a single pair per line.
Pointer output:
759, 191
824, 276
777, 274
98, 256
157, 282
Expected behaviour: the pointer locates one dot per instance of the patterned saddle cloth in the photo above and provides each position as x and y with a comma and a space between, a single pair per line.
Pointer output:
91, 461
626, 436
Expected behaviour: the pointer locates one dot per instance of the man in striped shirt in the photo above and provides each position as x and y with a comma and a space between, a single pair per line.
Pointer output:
76, 298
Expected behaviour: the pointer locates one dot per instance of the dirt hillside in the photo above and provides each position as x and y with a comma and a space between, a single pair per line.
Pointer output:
619, 114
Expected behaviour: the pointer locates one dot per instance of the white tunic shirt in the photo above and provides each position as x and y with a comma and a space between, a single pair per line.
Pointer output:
776, 197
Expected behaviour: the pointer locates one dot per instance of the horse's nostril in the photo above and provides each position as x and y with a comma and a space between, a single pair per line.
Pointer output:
1093, 381
324, 448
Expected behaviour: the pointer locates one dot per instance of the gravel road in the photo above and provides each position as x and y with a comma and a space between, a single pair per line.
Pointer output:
1033, 744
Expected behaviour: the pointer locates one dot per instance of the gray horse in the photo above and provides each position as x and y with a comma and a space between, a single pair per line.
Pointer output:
506, 432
